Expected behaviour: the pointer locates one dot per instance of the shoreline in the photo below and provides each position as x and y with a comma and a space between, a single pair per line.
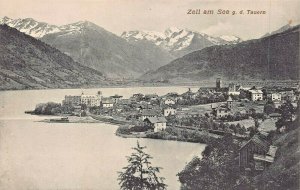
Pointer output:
130, 135
120, 123
72, 119
205, 83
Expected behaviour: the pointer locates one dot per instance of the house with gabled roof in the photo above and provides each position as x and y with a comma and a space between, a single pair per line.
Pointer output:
222, 110
256, 95
107, 102
257, 153
148, 114
158, 123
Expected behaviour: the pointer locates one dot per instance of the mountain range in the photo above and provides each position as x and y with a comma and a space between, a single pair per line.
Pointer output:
30, 26
28, 63
173, 55
179, 41
127, 56
99, 49
274, 57
95, 47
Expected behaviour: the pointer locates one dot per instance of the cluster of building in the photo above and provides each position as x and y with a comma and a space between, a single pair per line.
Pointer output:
149, 109
258, 96
152, 110
96, 100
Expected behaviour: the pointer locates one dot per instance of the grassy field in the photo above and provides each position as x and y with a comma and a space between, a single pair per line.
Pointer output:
246, 123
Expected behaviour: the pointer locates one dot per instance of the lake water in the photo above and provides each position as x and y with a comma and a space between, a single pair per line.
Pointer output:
36, 155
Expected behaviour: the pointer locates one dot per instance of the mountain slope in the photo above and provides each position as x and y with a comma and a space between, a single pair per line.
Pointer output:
99, 49
272, 57
281, 29
179, 41
27, 63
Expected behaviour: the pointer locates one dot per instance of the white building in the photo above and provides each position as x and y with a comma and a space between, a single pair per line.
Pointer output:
91, 100
169, 101
275, 97
169, 111
159, 123
256, 95
233, 89
107, 102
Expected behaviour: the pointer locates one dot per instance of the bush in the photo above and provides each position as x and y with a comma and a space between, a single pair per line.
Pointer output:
49, 108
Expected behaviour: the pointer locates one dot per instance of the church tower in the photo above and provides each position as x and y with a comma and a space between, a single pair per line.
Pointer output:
218, 83
229, 103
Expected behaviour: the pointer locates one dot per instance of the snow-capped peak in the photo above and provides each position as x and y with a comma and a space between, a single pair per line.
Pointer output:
5, 19
30, 26
39, 29
168, 32
174, 38
228, 38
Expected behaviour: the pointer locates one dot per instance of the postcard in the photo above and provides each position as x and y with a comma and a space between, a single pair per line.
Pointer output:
149, 94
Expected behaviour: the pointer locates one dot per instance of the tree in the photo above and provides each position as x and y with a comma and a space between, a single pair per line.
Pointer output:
269, 107
286, 110
139, 174
252, 131
256, 123
216, 170
49, 108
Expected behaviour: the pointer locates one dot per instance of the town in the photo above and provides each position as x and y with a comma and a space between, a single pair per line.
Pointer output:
249, 114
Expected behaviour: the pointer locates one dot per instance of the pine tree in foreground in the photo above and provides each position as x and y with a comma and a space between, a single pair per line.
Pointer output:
139, 174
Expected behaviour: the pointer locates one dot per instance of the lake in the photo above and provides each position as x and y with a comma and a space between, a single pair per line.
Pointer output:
36, 155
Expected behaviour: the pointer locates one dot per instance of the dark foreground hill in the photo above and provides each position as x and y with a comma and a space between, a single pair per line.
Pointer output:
27, 63
285, 171
274, 57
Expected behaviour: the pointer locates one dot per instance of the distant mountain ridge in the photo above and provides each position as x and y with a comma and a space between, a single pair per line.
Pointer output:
37, 29
94, 47
30, 26
28, 63
275, 57
179, 41
104, 51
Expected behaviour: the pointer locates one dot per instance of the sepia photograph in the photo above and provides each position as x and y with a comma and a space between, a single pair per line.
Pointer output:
149, 95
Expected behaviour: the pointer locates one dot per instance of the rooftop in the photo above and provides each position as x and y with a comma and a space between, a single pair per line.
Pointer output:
255, 91
157, 120
263, 158
116, 96
107, 101
260, 140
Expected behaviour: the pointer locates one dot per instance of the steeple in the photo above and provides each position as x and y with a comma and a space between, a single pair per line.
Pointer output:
229, 102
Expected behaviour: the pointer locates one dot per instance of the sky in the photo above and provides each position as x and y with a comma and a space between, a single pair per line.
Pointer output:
157, 15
